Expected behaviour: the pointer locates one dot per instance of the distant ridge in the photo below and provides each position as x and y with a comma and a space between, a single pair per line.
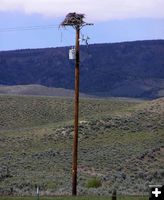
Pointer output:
126, 69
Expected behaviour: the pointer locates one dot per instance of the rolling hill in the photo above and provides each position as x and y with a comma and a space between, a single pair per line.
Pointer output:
120, 142
29, 111
38, 90
127, 69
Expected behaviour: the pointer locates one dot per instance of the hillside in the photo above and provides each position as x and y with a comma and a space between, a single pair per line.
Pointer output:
128, 69
120, 142
30, 111
39, 90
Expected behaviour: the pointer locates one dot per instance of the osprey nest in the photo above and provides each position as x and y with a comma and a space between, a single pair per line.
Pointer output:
73, 19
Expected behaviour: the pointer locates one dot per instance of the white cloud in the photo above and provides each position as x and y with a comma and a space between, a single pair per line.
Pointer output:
100, 10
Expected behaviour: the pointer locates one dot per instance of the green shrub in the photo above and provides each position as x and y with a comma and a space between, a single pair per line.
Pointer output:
93, 183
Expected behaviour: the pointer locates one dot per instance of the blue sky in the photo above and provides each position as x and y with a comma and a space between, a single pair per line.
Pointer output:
114, 21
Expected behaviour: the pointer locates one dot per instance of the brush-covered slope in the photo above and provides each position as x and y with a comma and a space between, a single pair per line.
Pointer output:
28, 111
128, 69
39, 90
120, 142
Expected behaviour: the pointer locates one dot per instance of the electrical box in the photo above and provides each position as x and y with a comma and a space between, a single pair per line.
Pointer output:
72, 54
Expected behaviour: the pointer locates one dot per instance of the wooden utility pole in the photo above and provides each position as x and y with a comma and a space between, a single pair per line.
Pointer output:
76, 116
76, 21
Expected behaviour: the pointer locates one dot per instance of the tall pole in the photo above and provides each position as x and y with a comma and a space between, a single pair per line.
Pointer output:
76, 21
76, 116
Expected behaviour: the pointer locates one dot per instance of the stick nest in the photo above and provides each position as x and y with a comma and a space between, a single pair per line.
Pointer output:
73, 19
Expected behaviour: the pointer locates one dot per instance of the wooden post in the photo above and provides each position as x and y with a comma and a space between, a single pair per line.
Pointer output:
76, 21
76, 116
37, 192
114, 195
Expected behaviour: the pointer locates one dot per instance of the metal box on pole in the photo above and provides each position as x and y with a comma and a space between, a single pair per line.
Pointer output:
72, 54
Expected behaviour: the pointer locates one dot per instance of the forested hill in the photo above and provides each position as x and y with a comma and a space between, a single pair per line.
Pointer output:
127, 69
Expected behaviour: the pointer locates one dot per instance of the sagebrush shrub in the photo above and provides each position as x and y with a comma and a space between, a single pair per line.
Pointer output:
93, 183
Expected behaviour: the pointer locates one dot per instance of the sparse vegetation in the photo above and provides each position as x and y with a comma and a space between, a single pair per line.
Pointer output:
73, 198
29, 111
119, 141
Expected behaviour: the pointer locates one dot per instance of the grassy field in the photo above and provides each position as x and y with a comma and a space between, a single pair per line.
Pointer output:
120, 142
73, 198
